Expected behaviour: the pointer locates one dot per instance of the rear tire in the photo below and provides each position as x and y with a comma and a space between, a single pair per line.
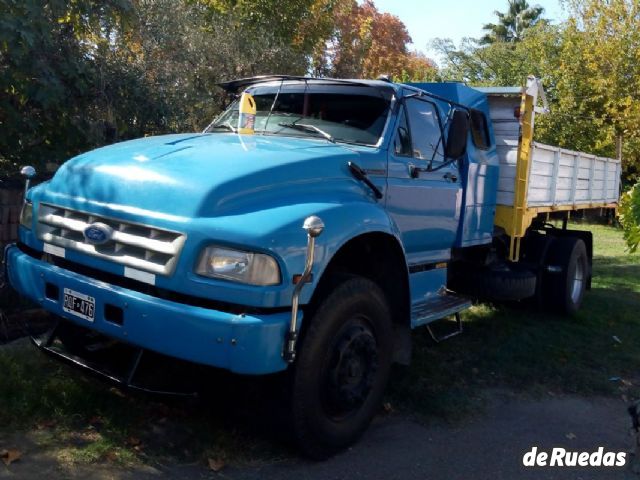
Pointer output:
564, 289
342, 368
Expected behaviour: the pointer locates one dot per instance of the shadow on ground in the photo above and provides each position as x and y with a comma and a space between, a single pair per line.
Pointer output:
531, 358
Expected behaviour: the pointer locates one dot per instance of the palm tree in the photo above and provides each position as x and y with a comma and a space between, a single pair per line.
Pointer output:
513, 23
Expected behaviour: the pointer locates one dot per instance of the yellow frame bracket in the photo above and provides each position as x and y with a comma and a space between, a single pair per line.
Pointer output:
516, 219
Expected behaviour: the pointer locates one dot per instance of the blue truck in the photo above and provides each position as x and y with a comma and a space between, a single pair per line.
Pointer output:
353, 212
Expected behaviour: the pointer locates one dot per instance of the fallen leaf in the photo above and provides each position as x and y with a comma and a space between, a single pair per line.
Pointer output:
570, 436
10, 456
216, 464
111, 455
46, 425
96, 421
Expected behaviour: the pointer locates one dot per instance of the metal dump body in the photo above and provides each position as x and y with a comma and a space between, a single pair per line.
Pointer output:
561, 177
557, 177
536, 178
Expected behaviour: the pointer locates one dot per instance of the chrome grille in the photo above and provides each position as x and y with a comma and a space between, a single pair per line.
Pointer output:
134, 245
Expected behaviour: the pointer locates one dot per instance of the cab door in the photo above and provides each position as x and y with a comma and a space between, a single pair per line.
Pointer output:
425, 205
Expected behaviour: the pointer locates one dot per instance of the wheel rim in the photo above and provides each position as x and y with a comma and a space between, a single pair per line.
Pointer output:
578, 281
351, 369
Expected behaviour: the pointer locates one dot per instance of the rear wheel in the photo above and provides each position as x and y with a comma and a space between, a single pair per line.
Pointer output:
567, 274
342, 368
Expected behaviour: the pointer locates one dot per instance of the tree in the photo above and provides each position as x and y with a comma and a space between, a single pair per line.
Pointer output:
598, 80
630, 217
589, 67
503, 63
53, 62
418, 68
78, 74
367, 43
513, 23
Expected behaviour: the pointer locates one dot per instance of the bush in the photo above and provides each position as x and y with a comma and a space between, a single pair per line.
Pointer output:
630, 216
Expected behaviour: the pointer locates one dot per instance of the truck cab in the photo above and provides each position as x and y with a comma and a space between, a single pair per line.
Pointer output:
312, 242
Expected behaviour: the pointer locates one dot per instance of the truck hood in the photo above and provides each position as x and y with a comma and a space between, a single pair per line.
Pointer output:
200, 175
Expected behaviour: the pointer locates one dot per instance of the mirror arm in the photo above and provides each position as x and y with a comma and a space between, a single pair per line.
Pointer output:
414, 172
444, 164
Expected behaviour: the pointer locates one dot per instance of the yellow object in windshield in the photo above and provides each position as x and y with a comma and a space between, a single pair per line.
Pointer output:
247, 116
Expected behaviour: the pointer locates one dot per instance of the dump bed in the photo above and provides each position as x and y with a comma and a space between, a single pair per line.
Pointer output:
557, 177
536, 178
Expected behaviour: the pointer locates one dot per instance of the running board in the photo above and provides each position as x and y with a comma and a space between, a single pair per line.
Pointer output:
442, 338
441, 306
437, 308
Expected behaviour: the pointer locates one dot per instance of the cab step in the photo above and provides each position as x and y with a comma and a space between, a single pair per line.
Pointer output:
437, 308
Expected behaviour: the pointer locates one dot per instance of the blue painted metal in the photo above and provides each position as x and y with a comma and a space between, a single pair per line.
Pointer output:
252, 193
250, 344
427, 283
479, 169
426, 209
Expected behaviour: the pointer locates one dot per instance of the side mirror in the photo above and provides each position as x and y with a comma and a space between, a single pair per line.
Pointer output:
28, 172
458, 134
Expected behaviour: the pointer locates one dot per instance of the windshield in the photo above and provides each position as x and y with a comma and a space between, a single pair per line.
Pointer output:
352, 114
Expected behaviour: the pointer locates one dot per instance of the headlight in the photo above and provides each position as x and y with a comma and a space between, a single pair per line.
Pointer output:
238, 266
26, 215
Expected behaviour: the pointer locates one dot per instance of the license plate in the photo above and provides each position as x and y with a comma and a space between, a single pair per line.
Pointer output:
79, 304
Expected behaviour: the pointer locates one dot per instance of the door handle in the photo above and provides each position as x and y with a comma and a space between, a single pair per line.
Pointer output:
450, 177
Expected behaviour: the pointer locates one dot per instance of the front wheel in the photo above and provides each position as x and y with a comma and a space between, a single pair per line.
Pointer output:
342, 368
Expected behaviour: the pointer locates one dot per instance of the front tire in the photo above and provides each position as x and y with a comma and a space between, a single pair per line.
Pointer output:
342, 368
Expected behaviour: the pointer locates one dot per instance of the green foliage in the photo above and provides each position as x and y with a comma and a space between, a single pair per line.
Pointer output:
502, 63
513, 23
79, 74
62, 85
630, 216
589, 67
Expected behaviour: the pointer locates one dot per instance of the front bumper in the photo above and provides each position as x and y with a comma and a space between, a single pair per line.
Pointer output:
241, 343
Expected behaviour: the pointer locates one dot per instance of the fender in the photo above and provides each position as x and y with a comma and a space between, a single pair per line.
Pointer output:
341, 226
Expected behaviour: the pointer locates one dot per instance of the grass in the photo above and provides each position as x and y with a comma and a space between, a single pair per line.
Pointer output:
81, 420
535, 353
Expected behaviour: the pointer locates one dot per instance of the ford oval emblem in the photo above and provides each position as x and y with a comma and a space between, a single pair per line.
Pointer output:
98, 233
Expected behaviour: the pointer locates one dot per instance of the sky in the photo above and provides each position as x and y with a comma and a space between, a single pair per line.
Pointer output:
454, 19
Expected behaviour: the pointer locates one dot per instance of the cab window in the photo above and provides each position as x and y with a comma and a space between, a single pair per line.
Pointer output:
425, 129
479, 130
402, 140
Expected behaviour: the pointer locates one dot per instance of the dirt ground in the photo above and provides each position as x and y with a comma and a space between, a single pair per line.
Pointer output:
490, 446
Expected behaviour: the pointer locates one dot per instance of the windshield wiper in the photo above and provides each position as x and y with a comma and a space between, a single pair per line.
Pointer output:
226, 126
308, 128
361, 175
